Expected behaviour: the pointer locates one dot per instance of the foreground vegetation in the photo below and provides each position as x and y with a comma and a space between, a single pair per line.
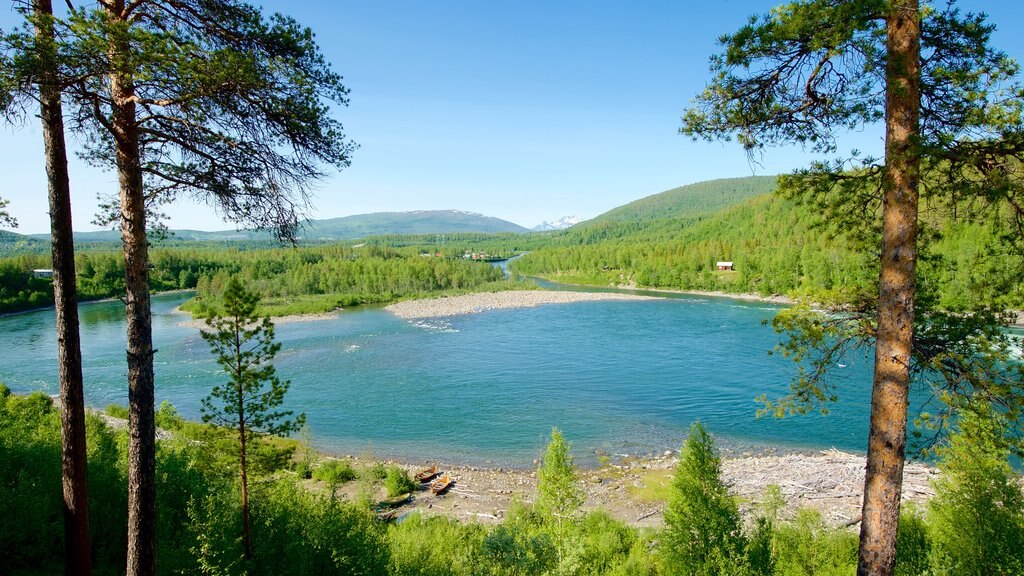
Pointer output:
973, 525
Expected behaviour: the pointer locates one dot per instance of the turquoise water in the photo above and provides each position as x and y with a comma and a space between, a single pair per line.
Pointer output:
621, 377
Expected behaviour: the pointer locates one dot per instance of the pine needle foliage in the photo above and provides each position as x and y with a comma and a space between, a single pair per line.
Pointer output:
703, 529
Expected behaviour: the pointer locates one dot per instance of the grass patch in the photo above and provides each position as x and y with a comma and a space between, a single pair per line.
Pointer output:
655, 486
117, 411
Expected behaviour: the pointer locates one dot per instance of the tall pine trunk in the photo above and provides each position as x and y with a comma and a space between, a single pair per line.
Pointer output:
890, 390
141, 425
65, 296
244, 468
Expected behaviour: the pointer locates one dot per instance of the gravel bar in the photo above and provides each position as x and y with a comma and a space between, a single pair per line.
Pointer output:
481, 302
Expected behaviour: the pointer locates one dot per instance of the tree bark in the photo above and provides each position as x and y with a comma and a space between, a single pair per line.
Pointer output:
65, 297
141, 424
240, 379
890, 390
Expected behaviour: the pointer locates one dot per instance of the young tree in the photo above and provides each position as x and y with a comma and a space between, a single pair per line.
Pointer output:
813, 68
559, 495
34, 73
207, 99
702, 522
249, 402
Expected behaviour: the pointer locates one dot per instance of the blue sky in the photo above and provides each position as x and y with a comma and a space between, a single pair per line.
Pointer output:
526, 111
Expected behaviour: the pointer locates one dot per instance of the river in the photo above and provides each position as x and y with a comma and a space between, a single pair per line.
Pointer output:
617, 377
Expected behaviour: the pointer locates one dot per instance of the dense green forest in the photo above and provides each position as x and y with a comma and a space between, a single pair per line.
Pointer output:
776, 247
291, 280
973, 525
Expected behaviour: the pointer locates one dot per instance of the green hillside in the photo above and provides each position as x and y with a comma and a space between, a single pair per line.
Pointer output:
776, 249
689, 201
12, 242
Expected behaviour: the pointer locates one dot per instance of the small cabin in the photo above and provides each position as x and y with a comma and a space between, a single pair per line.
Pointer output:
42, 273
725, 266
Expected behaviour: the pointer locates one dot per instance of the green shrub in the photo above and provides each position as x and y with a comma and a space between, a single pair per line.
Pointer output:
559, 495
294, 532
913, 546
977, 514
397, 481
436, 545
805, 547
167, 417
334, 472
376, 471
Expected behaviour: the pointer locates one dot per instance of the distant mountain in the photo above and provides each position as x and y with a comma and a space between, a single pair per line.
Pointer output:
12, 242
418, 222
346, 228
560, 224
689, 201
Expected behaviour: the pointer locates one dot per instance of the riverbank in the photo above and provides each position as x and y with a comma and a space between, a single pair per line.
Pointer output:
635, 490
200, 324
483, 301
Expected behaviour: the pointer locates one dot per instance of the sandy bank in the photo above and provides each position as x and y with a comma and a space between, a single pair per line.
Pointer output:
200, 324
480, 302
829, 481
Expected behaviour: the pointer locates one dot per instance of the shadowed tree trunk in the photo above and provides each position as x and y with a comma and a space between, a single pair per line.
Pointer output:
65, 297
890, 389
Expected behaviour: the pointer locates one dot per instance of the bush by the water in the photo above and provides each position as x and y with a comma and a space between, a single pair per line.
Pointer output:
334, 472
397, 481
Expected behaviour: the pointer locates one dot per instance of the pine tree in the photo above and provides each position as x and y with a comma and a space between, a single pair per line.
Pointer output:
33, 72
207, 99
953, 120
249, 401
702, 522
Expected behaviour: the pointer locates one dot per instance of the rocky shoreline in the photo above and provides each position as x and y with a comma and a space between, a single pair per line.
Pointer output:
632, 491
483, 301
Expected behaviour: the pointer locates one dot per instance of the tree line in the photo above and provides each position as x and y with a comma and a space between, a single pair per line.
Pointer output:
371, 273
779, 247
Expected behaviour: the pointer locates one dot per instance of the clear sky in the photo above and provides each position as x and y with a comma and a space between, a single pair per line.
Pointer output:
526, 111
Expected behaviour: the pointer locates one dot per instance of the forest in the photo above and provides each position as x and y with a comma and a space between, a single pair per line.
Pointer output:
311, 279
669, 241
778, 247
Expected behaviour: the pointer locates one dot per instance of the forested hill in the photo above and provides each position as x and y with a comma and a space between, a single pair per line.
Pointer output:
689, 201
775, 249
417, 222
346, 228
